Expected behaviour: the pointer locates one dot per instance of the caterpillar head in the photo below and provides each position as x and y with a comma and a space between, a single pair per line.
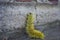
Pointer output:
29, 14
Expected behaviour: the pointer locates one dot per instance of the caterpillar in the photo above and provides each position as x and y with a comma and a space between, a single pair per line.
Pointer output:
30, 30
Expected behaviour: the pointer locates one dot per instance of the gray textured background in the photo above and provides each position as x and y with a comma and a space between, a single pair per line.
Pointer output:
13, 16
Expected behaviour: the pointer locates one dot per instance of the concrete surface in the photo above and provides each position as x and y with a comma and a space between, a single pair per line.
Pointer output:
12, 16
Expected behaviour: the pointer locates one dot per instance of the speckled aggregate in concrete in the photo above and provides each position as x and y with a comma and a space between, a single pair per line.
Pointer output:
13, 16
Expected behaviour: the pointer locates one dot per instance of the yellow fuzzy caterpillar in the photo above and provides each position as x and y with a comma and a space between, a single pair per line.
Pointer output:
30, 30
